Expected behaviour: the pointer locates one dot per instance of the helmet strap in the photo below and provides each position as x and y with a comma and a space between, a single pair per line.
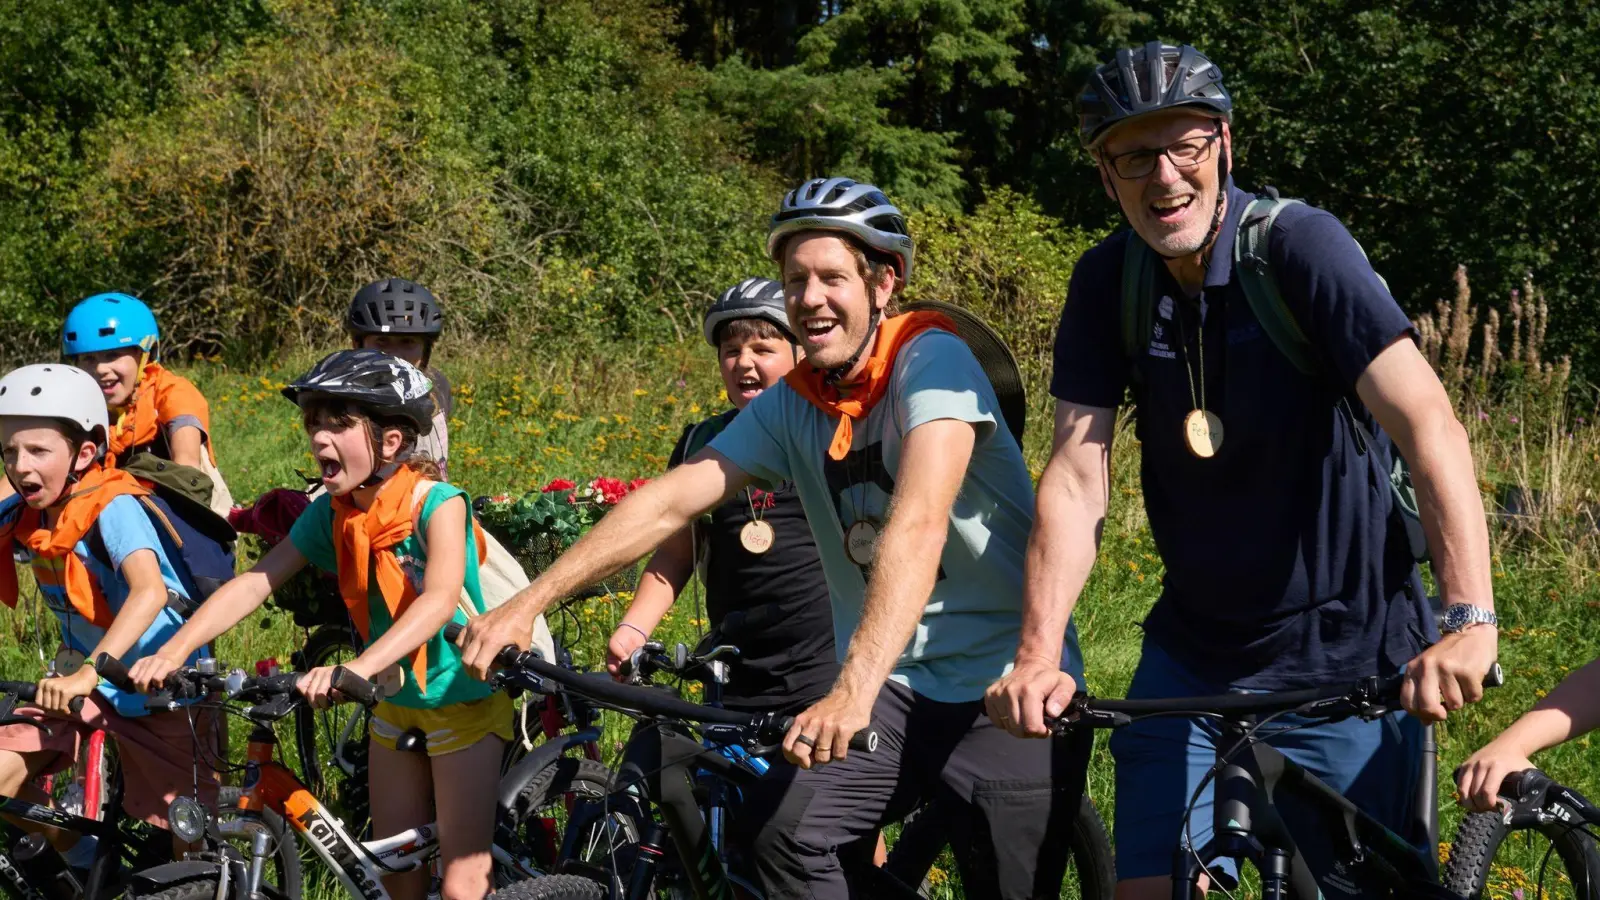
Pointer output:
381, 471
833, 376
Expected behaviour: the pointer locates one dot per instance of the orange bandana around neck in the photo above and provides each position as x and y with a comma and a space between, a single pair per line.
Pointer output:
868, 388
140, 425
362, 538
88, 498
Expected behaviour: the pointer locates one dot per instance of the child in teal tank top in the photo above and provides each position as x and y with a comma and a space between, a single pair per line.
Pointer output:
407, 553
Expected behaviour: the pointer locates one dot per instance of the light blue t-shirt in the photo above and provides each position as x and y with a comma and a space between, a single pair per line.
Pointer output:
968, 634
125, 529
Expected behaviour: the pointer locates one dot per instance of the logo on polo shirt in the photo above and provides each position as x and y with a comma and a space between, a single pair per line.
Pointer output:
1158, 332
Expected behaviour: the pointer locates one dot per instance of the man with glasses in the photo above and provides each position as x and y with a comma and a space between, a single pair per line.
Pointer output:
1267, 489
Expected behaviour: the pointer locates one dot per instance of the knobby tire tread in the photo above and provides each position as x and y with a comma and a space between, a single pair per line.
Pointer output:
548, 887
1478, 840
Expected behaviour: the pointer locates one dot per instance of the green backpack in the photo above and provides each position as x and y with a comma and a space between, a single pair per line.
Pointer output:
1251, 258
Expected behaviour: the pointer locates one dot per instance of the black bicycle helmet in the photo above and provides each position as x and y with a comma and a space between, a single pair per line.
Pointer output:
388, 386
839, 204
752, 298
394, 306
1145, 79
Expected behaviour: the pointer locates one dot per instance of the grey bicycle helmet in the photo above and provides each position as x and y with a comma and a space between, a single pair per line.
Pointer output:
394, 306
1146, 79
387, 385
839, 204
752, 298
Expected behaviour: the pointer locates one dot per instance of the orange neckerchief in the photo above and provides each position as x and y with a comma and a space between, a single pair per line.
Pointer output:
361, 538
141, 425
89, 497
869, 387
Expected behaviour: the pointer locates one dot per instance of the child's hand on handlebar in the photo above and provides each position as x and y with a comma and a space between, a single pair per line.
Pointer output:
317, 687
624, 641
56, 693
1478, 779
150, 673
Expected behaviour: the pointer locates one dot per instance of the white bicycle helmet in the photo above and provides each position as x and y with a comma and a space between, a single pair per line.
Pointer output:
839, 204
55, 391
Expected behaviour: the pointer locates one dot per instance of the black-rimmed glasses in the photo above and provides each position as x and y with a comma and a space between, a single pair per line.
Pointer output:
1184, 154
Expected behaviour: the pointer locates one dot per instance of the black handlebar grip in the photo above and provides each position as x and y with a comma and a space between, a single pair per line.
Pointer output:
1525, 784
1495, 678
76, 704
452, 631
112, 670
355, 687
865, 740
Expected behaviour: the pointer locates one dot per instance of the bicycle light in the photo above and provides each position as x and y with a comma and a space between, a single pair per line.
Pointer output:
187, 820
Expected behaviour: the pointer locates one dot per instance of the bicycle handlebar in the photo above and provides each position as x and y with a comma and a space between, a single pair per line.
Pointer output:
646, 700
1531, 787
189, 683
28, 692
1371, 696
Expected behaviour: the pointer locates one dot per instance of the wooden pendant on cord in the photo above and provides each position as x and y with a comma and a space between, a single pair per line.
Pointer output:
756, 536
861, 542
1202, 431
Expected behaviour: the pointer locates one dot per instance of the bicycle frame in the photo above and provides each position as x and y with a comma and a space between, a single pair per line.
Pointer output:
359, 866
1246, 827
20, 875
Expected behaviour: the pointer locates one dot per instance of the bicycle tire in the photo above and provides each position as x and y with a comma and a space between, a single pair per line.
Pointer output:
1478, 840
1089, 853
286, 855
198, 889
547, 887
527, 834
318, 731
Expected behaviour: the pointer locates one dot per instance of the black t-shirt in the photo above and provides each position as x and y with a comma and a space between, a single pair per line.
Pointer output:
773, 606
1282, 566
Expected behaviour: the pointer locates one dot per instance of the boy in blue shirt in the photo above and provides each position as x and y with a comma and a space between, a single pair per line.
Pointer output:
53, 426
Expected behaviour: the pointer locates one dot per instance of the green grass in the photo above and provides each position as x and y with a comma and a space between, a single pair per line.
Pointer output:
522, 419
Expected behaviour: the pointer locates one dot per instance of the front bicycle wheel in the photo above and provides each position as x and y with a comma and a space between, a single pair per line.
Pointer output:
554, 809
332, 742
1472, 872
198, 889
551, 887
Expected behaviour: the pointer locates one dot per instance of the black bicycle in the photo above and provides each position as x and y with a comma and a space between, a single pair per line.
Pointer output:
1537, 805
655, 787
1250, 776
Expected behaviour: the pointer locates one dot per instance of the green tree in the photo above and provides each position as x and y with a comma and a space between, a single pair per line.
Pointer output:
1440, 132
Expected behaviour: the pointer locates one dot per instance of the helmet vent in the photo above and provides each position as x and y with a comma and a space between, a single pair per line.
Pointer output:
36, 391
108, 332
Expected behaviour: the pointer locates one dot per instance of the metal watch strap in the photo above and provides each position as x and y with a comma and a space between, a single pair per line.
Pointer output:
1473, 615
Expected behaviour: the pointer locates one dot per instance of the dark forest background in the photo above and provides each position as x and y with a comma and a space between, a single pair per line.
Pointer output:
597, 169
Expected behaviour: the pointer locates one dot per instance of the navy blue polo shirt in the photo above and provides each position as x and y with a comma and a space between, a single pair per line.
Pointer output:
1282, 567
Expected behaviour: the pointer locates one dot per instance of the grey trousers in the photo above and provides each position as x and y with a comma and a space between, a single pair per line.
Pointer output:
1010, 803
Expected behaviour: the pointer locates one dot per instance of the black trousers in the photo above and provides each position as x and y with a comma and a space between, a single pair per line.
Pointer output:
1010, 801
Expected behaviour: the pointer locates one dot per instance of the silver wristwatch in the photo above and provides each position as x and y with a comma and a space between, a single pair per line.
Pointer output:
1461, 616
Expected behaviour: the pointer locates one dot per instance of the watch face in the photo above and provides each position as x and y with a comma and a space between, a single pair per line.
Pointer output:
1455, 617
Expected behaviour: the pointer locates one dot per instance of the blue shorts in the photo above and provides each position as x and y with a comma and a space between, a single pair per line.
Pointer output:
1160, 761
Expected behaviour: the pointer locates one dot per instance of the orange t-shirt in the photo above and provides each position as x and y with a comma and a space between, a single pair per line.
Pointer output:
163, 401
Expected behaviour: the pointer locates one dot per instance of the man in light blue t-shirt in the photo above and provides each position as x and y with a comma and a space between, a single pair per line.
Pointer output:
920, 505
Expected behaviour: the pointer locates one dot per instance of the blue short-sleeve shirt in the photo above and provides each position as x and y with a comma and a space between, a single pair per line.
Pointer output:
970, 627
125, 529
1282, 566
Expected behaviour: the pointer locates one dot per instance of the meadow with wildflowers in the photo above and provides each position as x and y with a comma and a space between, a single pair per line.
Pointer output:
586, 426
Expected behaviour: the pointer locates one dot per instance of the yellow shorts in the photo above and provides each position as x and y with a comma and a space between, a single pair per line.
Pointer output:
449, 728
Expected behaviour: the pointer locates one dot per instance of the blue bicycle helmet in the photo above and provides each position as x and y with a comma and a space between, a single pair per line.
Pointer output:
109, 322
